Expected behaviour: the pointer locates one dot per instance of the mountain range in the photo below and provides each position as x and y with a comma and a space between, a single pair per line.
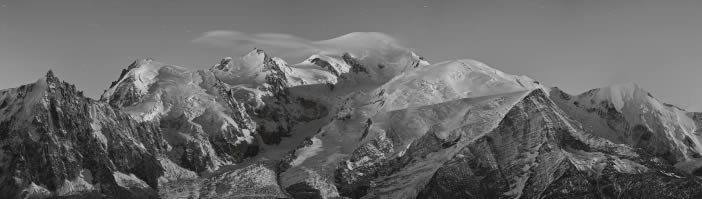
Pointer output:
377, 123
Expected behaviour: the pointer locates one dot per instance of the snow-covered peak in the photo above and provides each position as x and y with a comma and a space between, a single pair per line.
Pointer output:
282, 64
223, 65
450, 80
626, 113
50, 74
194, 100
226, 60
376, 56
255, 61
142, 61
255, 58
135, 81
253, 70
619, 94
333, 65
20, 102
421, 60
355, 68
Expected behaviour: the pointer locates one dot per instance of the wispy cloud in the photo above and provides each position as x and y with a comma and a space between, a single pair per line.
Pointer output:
292, 47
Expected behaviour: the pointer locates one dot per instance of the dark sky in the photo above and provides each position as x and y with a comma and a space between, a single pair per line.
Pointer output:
574, 44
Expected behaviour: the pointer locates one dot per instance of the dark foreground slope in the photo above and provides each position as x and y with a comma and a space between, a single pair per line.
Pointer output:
537, 152
60, 143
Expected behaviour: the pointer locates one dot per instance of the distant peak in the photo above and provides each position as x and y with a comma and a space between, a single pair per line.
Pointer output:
139, 62
257, 56
347, 55
280, 62
223, 64
226, 61
143, 61
349, 59
316, 58
619, 94
256, 51
144, 69
629, 88
50, 74
313, 57
50, 77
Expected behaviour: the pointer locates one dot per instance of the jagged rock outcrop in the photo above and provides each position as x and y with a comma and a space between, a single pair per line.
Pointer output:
334, 68
256, 179
56, 142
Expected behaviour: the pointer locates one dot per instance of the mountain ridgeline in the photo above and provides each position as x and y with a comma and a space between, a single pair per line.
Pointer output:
342, 125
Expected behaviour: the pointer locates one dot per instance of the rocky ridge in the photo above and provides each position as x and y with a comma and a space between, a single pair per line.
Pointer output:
384, 125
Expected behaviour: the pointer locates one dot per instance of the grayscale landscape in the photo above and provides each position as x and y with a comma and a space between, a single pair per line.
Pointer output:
360, 115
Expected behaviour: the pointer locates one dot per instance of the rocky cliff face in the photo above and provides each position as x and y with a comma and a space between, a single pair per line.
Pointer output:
261, 83
265, 96
59, 143
537, 152
385, 124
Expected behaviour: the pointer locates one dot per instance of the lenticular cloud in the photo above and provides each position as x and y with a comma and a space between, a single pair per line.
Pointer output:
292, 47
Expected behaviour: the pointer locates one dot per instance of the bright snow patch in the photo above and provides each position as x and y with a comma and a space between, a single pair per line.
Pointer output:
129, 181
307, 152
